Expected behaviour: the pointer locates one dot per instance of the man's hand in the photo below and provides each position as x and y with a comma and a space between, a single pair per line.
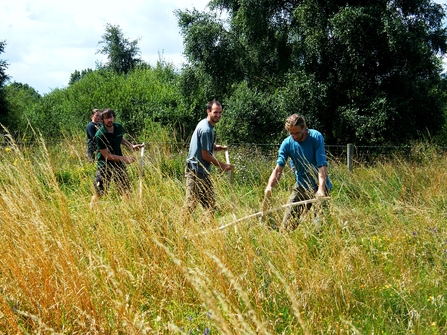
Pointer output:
226, 167
218, 147
267, 196
268, 192
128, 159
137, 147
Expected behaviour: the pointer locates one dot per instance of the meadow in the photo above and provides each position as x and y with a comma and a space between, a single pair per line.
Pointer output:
373, 260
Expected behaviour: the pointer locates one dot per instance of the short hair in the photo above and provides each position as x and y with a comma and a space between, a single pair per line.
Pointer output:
295, 120
94, 111
210, 104
107, 112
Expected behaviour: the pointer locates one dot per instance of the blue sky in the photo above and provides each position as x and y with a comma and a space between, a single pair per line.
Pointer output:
47, 40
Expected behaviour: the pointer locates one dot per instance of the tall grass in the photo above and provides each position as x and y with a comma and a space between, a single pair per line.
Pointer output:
374, 262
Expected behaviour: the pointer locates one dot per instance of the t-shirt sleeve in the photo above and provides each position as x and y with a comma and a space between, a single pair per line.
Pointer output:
320, 152
206, 140
282, 154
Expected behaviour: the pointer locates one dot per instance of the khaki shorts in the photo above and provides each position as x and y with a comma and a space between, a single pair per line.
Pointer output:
298, 194
199, 188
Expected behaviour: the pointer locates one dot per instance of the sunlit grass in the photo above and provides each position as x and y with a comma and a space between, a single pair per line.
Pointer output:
373, 263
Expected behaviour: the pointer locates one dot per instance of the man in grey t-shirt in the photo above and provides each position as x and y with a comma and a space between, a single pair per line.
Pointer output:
199, 187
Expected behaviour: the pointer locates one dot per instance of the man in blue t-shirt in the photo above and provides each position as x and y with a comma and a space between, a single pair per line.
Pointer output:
199, 187
305, 147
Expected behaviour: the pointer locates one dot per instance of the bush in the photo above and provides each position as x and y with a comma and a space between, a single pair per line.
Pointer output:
145, 93
251, 116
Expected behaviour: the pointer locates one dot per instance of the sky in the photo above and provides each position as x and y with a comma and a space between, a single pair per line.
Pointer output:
47, 40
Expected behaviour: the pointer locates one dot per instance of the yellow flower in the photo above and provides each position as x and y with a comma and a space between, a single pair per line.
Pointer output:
8, 149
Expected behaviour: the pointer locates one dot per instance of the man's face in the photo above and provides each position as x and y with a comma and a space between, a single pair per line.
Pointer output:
297, 133
214, 114
108, 120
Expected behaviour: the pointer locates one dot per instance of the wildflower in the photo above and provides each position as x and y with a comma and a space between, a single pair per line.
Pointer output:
7, 149
190, 318
206, 331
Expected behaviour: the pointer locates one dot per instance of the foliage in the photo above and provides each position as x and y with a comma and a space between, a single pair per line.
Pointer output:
195, 95
19, 98
3, 78
386, 84
122, 54
76, 75
369, 72
250, 117
441, 137
144, 93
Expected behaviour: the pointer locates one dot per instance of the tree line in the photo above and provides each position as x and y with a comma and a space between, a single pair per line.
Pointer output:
366, 72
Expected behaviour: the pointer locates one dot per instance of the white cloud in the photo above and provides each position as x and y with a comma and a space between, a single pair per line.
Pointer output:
48, 39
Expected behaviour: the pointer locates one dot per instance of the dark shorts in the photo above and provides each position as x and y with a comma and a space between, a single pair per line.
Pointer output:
117, 173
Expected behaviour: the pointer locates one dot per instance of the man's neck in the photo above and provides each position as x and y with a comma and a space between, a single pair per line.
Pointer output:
110, 129
210, 122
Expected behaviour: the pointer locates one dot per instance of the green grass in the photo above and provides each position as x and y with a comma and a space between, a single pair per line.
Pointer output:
375, 263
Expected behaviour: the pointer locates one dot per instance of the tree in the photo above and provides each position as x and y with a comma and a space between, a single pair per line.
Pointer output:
21, 100
378, 62
122, 54
3, 79
361, 71
221, 60
76, 75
